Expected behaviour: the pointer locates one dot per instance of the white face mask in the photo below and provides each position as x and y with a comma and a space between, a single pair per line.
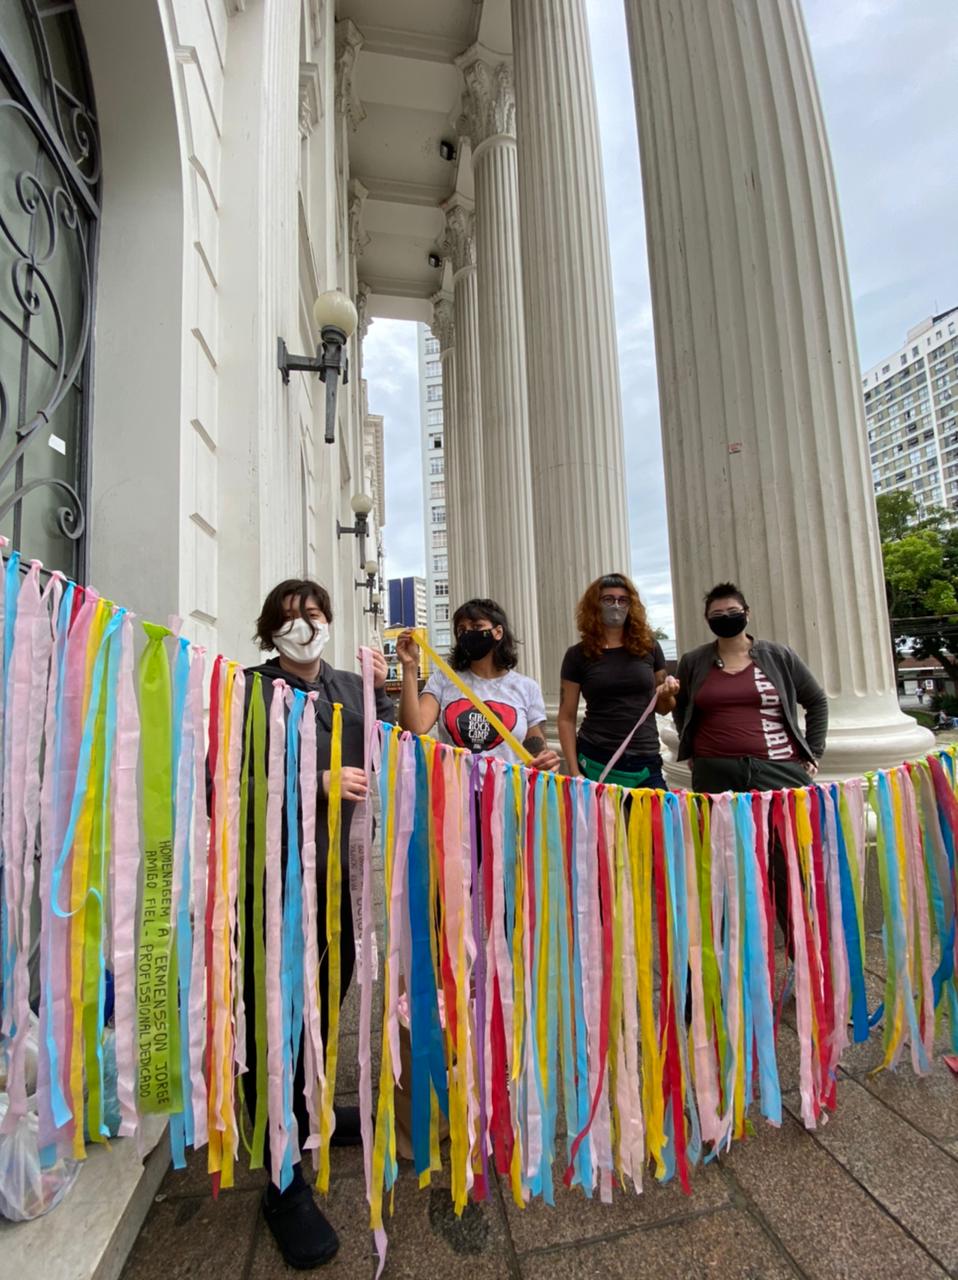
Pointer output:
299, 643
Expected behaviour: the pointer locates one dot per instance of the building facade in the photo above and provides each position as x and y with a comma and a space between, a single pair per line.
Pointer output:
178, 187
408, 602
911, 413
435, 533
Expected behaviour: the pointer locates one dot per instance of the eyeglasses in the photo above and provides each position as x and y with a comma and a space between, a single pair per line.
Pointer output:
613, 599
727, 613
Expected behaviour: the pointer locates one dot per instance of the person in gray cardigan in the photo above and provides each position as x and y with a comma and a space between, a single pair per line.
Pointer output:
737, 708
736, 713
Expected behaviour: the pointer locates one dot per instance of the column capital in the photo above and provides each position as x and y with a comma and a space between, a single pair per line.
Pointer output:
358, 238
362, 310
310, 98
349, 41
459, 238
443, 324
489, 98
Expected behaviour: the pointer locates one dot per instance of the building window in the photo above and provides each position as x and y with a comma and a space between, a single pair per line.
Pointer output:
49, 197
436, 466
434, 417
438, 538
440, 564
439, 515
433, 369
442, 613
440, 587
437, 488
442, 639
434, 391
432, 346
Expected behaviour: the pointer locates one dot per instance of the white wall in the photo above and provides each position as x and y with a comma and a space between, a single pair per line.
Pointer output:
224, 214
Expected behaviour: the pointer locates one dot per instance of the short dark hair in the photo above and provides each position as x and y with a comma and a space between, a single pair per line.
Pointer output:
505, 655
272, 616
724, 591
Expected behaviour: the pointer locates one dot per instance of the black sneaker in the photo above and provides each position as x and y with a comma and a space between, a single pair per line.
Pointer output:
304, 1236
348, 1131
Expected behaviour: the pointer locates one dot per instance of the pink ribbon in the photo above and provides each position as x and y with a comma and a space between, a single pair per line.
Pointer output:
313, 1055
621, 749
125, 864
48, 854
276, 1056
197, 1000
32, 642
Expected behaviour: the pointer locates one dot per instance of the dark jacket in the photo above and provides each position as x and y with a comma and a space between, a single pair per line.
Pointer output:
332, 686
795, 684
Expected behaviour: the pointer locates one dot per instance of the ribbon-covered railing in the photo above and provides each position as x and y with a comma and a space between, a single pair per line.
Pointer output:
589, 978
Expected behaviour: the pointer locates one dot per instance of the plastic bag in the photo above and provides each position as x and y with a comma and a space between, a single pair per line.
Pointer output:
29, 1186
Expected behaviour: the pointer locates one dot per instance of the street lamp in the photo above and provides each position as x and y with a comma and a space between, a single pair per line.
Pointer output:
375, 606
335, 317
361, 504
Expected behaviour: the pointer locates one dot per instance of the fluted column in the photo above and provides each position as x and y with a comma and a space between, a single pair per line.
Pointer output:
444, 330
575, 412
762, 420
489, 108
464, 441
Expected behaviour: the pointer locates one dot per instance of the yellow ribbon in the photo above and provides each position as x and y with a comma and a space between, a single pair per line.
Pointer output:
334, 886
419, 635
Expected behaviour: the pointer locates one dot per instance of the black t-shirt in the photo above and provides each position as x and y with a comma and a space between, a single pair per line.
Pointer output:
617, 687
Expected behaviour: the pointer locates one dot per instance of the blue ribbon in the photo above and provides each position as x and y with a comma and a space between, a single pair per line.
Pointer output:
291, 968
181, 1124
11, 592
856, 967
756, 971
428, 1061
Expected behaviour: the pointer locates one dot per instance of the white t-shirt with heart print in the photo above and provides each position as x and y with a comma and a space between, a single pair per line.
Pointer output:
516, 699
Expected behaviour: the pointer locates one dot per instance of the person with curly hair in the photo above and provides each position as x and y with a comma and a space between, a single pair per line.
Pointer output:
618, 666
485, 655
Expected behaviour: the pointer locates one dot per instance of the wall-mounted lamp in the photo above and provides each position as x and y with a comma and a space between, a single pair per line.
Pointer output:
375, 606
361, 504
335, 317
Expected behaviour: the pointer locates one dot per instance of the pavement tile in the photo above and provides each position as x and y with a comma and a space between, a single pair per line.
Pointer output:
727, 1244
573, 1218
427, 1240
195, 1180
346, 1209
197, 1236
829, 1225
906, 1173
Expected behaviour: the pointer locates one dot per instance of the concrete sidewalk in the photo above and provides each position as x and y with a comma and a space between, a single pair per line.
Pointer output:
871, 1194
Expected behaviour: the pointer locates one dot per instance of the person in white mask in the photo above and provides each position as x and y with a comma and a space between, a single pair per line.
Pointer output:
294, 623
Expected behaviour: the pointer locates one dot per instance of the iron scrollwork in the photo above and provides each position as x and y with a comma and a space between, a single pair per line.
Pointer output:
48, 210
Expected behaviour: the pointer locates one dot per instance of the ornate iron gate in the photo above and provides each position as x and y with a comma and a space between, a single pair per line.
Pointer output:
49, 211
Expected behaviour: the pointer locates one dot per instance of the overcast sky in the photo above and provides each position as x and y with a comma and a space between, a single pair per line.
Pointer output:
886, 73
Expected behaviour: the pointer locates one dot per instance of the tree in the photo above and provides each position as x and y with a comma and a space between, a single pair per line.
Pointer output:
920, 556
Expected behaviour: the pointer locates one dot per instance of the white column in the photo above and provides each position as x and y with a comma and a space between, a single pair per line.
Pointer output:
465, 507
762, 420
489, 107
575, 412
444, 329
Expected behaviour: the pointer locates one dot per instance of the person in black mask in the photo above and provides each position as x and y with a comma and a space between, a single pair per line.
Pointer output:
485, 656
737, 718
737, 706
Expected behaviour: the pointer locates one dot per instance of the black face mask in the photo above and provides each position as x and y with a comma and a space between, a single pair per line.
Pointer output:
728, 626
474, 645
